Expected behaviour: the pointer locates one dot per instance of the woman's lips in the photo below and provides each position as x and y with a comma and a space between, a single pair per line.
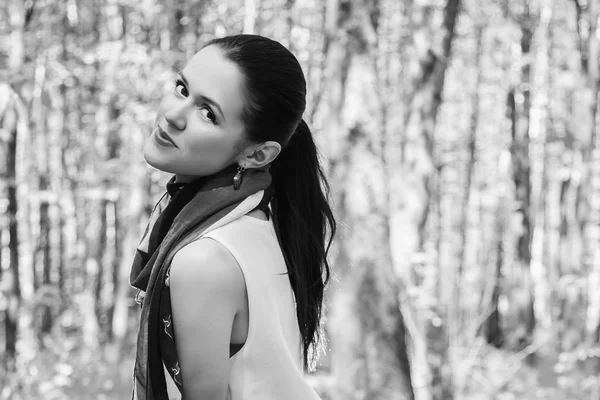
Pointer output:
162, 138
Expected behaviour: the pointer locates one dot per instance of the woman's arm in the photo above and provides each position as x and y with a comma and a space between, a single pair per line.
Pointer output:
207, 289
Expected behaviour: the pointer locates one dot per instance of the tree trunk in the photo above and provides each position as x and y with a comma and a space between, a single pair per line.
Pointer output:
10, 117
569, 296
492, 326
588, 204
98, 250
129, 216
12, 114
177, 27
14, 293
42, 262
250, 16
113, 227
93, 264
92, 204
370, 359
64, 200
44, 252
522, 293
411, 206
289, 40
456, 314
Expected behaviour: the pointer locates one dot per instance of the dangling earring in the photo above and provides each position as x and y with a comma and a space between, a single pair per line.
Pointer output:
238, 178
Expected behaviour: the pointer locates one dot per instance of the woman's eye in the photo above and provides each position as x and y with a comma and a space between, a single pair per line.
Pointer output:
180, 88
208, 114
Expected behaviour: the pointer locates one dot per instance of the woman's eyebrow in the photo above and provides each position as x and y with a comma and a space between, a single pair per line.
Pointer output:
202, 97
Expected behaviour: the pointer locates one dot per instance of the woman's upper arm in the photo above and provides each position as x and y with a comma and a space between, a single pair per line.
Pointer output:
206, 287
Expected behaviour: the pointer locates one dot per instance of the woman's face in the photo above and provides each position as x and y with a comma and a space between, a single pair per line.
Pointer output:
199, 129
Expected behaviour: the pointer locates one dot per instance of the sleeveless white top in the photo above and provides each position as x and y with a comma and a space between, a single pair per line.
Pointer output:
269, 365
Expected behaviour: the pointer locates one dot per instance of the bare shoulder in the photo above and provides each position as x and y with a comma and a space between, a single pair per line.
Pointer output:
206, 291
206, 265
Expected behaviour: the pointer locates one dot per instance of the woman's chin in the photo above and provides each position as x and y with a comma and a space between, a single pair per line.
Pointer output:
154, 158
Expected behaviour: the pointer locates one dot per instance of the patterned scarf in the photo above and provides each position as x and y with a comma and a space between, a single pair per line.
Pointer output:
191, 209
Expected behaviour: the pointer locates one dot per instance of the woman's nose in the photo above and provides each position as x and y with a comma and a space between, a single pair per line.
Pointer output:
176, 117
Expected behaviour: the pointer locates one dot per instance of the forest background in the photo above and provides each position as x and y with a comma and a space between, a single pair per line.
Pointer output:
460, 138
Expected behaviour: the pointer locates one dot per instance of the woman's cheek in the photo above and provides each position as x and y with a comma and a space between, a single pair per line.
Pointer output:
215, 154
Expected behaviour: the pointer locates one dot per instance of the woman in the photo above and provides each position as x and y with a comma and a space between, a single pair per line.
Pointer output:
233, 266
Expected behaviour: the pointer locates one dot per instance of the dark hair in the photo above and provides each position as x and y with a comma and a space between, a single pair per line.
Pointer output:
275, 90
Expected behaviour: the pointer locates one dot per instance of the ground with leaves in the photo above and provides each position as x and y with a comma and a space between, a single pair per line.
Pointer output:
65, 371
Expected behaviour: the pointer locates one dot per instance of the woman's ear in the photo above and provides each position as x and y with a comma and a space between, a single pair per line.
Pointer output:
258, 156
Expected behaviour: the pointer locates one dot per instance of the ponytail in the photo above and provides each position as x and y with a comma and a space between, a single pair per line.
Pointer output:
301, 216
275, 89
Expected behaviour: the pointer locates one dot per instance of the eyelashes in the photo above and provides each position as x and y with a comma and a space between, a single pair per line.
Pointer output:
178, 82
210, 115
